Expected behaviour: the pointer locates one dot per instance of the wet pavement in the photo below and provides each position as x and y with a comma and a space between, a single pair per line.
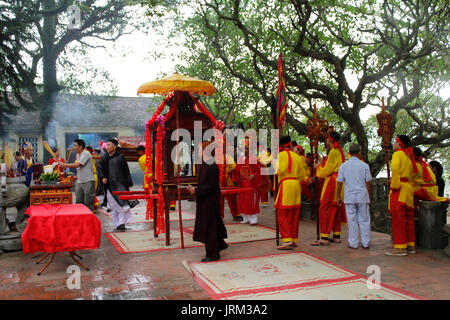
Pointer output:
160, 275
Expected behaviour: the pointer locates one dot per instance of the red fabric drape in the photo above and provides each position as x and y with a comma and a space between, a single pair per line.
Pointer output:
159, 178
425, 172
337, 145
149, 173
61, 227
409, 152
289, 156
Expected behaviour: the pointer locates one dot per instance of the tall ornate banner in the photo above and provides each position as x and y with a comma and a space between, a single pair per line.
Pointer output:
385, 131
282, 103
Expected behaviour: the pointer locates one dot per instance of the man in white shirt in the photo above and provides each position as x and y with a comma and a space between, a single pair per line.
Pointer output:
357, 197
85, 186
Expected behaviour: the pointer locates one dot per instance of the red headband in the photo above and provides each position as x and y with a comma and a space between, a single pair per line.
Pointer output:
400, 142
410, 153
287, 145
329, 137
337, 145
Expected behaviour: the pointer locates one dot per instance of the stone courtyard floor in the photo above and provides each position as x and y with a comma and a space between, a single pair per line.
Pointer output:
160, 275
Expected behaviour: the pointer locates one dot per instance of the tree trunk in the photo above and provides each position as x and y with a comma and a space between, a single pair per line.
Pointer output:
298, 126
51, 87
378, 163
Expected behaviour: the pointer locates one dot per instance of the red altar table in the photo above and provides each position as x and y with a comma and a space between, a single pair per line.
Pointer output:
60, 228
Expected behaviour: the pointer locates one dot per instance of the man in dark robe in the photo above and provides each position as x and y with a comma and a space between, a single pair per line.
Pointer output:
115, 176
209, 228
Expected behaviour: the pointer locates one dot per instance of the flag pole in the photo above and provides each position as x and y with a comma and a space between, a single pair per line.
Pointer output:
277, 227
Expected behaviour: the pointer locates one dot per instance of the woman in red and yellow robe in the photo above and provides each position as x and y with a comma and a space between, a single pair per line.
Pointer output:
142, 160
401, 198
230, 166
425, 187
247, 175
304, 182
330, 214
265, 184
288, 200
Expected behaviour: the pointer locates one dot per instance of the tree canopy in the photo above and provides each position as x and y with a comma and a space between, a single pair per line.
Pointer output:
343, 56
43, 48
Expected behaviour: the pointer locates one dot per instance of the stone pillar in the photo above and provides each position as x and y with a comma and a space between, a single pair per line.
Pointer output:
430, 228
16, 195
380, 219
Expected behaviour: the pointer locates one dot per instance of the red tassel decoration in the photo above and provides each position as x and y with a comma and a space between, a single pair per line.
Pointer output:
148, 173
159, 179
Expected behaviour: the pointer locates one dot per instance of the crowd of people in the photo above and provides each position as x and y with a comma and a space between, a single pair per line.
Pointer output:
345, 192
343, 186
111, 173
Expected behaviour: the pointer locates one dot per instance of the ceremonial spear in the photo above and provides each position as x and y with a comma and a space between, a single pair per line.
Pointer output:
274, 114
385, 131
317, 130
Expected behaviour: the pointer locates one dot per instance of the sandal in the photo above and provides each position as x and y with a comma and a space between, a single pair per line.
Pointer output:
288, 247
285, 246
335, 240
318, 243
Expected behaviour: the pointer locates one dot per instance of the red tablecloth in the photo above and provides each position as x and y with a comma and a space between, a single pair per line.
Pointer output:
61, 227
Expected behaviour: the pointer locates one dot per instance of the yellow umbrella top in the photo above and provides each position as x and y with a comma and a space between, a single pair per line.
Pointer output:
178, 82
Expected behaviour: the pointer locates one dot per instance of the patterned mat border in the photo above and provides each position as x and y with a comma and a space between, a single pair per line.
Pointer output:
394, 291
115, 241
273, 289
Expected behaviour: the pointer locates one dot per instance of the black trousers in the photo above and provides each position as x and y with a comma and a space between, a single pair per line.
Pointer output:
213, 246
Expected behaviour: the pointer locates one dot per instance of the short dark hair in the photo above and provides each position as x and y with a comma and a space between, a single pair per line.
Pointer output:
17, 153
335, 136
417, 152
89, 148
113, 141
405, 140
140, 148
284, 140
55, 149
269, 150
439, 169
80, 142
294, 143
354, 148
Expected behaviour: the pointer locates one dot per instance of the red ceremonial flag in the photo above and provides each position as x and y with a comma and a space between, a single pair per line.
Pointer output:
282, 103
